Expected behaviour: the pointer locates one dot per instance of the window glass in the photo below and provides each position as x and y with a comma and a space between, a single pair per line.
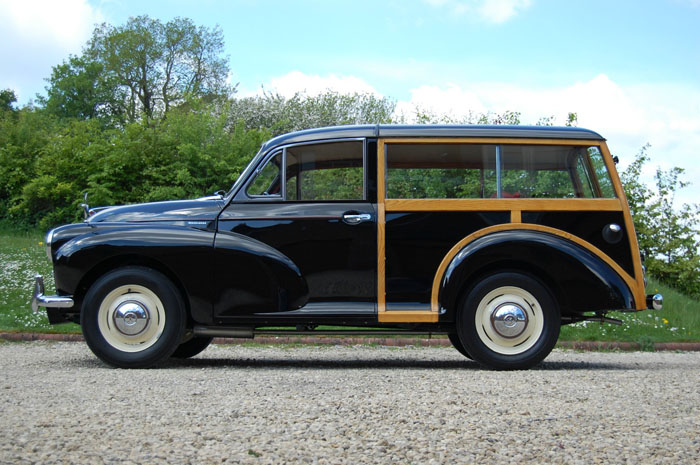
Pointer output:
464, 171
587, 186
538, 171
601, 172
331, 171
267, 181
440, 171
550, 171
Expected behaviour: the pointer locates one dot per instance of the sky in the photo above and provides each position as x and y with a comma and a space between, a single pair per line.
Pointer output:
629, 69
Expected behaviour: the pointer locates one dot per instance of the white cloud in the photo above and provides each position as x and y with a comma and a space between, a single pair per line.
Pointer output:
313, 84
491, 11
39, 34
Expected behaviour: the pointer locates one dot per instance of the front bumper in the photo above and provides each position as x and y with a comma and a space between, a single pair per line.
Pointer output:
48, 301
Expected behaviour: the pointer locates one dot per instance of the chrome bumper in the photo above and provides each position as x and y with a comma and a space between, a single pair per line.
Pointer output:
655, 302
51, 301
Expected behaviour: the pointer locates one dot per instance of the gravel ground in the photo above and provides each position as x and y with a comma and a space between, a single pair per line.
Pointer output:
354, 405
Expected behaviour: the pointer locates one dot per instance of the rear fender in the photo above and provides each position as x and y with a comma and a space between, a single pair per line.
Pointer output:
577, 278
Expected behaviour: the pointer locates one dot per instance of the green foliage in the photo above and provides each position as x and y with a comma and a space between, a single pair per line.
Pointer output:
80, 88
281, 115
190, 154
140, 70
7, 98
668, 236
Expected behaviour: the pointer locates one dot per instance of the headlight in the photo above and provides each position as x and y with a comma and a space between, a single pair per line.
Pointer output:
49, 238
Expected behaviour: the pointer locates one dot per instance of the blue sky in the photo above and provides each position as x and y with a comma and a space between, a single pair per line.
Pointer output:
630, 69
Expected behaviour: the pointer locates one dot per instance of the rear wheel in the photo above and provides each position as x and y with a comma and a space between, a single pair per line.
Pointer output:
192, 347
509, 321
133, 317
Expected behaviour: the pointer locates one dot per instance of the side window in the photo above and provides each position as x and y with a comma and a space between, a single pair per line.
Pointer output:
329, 171
478, 171
600, 172
267, 181
539, 171
440, 171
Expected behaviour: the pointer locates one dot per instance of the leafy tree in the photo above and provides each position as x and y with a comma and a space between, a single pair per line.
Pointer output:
80, 88
24, 134
140, 70
7, 98
280, 115
668, 237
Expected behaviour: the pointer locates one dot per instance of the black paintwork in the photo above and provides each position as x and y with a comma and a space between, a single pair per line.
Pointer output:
589, 227
256, 262
337, 260
416, 244
579, 280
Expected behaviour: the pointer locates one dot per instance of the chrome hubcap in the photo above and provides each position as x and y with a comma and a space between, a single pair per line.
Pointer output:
509, 320
131, 318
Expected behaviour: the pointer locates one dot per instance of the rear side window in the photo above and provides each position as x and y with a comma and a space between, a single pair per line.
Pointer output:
440, 171
464, 171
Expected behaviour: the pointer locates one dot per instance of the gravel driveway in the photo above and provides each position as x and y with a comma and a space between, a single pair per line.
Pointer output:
260, 405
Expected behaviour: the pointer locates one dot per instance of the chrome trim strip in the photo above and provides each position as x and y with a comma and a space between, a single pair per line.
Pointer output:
50, 301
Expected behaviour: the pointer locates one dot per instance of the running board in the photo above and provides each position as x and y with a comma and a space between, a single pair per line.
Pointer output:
249, 333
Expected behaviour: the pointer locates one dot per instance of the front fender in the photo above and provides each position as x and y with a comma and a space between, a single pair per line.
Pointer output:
580, 280
200, 262
180, 253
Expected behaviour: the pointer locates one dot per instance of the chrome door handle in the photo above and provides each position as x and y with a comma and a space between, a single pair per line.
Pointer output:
356, 218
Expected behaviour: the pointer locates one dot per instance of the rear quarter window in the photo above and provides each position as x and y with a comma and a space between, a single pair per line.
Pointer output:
472, 171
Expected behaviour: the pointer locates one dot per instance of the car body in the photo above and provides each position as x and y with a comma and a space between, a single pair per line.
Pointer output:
494, 235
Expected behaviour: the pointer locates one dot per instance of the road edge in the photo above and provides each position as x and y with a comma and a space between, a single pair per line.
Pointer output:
381, 341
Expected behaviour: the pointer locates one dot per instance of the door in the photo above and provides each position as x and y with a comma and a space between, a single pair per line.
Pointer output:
309, 203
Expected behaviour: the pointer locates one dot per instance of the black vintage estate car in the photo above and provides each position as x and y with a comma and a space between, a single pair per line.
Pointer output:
494, 236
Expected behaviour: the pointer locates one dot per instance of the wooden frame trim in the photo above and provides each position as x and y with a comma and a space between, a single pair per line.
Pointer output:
411, 316
640, 294
381, 231
514, 206
437, 280
419, 205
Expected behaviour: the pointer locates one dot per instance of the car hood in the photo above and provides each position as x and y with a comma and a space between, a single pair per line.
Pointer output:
204, 209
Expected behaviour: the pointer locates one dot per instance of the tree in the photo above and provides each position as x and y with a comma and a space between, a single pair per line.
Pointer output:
140, 70
79, 88
668, 236
280, 115
7, 98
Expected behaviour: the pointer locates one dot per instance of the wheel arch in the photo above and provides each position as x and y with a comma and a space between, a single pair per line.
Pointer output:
578, 278
131, 260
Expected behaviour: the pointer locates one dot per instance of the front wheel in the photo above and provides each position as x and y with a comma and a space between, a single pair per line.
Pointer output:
509, 321
133, 317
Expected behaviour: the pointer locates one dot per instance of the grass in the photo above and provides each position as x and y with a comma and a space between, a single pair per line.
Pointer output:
22, 255
679, 321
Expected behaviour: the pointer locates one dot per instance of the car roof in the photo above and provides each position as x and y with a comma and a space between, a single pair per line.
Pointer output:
424, 130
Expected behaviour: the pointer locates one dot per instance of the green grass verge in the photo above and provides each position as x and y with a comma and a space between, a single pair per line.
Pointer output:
22, 255
679, 321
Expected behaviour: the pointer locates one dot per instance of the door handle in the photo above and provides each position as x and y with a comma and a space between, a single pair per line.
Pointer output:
356, 218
